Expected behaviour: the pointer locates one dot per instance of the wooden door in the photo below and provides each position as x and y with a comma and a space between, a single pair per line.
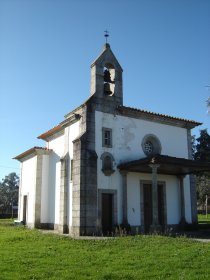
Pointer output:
161, 205
24, 208
147, 195
107, 213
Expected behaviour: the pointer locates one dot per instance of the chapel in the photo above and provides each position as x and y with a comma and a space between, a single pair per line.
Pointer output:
108, 165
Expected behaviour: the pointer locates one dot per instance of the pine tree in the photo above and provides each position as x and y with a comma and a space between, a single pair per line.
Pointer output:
9, 192
203, 146
202, 153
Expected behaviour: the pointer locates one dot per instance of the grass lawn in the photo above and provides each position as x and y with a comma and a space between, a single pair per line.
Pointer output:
30, 254
203, 219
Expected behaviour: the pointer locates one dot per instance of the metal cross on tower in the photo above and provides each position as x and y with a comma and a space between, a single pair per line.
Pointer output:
106, 35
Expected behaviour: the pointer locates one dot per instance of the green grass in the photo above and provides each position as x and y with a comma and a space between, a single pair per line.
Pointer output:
203, 219
30, 254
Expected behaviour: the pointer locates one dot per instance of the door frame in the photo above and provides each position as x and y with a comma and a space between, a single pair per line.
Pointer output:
114, 207
142, 183
25, 209
107, 213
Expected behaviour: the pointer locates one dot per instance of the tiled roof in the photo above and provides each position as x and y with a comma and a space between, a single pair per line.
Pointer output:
152, 115
30, 151
124, 110
50, 132
166, 165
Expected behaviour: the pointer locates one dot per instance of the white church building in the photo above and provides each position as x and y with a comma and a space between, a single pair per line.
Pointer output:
107, 165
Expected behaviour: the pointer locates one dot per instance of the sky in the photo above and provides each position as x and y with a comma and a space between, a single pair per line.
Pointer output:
47, 47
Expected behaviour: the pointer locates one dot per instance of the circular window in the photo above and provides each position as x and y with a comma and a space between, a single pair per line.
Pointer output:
151, 145
148, 147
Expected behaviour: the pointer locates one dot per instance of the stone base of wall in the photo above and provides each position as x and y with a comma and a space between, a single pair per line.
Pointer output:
47, 226
41, 226
136, 230
165, 230
30, 225
74, 231
88, 231
93, 231
56, 226
63, 229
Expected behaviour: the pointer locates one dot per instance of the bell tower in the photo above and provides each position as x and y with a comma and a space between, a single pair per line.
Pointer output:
106, 78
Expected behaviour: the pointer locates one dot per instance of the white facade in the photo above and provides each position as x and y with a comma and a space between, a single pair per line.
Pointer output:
128, 134
68, 185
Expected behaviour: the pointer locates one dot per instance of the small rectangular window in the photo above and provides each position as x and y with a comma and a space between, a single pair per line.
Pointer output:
106, 137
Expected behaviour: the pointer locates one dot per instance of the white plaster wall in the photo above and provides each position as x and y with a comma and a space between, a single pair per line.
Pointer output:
73, 132
57, 192
28, 183
172, 199
57, 145
45, 189
53, 159
60, 146
127, 136
134, 196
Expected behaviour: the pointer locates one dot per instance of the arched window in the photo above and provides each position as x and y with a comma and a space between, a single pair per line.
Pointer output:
107, 163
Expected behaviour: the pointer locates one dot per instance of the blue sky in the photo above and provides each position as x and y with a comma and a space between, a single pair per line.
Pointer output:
47, 47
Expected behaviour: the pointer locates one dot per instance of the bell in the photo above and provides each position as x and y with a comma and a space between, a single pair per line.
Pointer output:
107, 90
107, 76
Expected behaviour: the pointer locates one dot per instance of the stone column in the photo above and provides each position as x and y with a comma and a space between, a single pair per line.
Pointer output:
182, 201
193, 197
63, 227
155, 223
124, 195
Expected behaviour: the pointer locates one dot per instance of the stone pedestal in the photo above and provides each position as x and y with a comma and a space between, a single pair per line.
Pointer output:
124, 193
155, 222
182, 201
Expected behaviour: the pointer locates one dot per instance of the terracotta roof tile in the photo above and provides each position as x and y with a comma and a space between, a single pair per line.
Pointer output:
30, 151
155, 115
50, 132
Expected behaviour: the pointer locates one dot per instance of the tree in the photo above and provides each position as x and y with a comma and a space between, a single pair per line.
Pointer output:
9, 192
193, 145
201, 152
203, 146
203, 189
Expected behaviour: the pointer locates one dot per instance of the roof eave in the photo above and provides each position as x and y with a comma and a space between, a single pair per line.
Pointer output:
151, 116
167, 165
45, 136
32, 152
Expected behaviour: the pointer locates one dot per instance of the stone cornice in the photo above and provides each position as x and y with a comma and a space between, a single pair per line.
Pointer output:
32, 152
47, 135
155, 117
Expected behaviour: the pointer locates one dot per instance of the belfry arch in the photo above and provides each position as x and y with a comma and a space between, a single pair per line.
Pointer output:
109, 79
106, 78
